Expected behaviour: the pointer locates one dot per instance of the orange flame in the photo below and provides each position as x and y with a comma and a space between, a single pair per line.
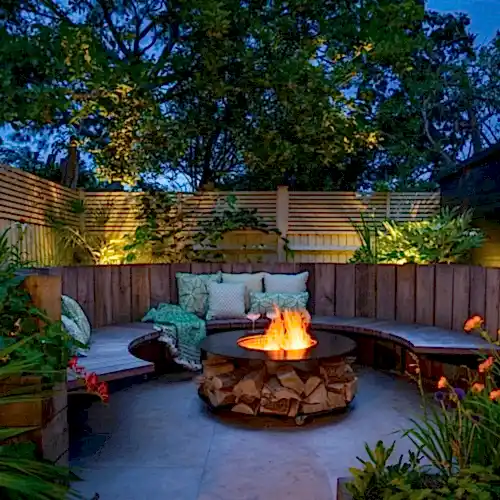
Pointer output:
287, 332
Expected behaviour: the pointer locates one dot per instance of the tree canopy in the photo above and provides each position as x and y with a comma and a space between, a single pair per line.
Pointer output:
248, 94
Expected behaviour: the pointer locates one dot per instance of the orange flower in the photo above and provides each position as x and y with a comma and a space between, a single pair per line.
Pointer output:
477, 387
443, 383
486, 365
473, 323
495, 395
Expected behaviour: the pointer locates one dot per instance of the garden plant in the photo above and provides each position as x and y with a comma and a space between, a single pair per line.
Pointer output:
35, 353
457, 441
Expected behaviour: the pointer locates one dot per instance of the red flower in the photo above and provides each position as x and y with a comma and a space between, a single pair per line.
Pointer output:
73, 362
443, 383
22, 221
473, 323
91, 381
486, 365
103, 392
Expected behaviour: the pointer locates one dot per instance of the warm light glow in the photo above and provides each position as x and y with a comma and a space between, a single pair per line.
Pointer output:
287, 332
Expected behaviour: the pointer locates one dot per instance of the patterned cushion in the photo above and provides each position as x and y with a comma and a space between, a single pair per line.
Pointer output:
72, 309
193, 291
226, 300
76, 332
252, 281
285, 283
264, 302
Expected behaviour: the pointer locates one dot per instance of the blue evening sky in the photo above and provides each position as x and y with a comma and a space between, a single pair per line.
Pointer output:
484, 15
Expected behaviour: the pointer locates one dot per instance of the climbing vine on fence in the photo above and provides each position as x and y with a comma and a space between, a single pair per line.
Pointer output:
166, 233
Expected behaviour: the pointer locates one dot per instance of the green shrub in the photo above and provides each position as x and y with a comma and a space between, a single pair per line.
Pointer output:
447, 237
20, 320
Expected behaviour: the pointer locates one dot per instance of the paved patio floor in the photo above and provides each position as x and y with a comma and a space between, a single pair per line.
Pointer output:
156, 441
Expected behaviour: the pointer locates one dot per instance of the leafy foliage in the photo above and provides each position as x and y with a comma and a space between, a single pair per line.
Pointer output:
163, 234
446, 237
205, 90
166, 233
79, 246
20, 320
22, 476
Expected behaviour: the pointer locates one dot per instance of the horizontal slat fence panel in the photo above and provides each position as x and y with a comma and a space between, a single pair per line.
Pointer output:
317, 224
442, 295
26, 201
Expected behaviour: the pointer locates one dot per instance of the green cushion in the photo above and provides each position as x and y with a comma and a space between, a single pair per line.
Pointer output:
72, 309
193, 291
75, 332
264, 302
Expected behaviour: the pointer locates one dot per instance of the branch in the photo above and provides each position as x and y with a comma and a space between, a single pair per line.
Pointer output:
173, 37
435, 145
113, 29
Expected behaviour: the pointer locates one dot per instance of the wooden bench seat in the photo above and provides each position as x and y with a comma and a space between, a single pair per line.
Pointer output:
111, 358
420, 339
109, 355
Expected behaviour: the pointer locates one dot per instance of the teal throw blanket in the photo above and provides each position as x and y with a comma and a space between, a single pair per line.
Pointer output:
181, 331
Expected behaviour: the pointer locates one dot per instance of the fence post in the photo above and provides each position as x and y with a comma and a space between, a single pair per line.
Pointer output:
81, 196
282, 203
388, 205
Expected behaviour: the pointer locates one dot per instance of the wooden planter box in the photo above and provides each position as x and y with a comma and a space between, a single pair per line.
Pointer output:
48, 414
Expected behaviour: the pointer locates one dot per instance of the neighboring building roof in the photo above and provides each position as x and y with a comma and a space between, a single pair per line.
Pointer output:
484, 157
475, 184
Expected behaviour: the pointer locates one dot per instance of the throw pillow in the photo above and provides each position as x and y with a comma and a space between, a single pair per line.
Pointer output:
252, 281
264, 302
72, 309
193, 291
75, 332
285, 283
226, 300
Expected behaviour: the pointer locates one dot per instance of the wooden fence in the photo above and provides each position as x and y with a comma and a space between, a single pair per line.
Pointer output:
441, 295
25, 202
317, 224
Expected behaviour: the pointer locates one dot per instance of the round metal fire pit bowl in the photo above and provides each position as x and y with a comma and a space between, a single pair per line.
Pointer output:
291, 384
329, 345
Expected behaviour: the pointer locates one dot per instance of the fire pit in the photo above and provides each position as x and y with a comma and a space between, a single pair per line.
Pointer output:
286, 370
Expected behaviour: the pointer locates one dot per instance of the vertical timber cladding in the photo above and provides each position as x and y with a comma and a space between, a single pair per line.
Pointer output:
25, 202
441, 295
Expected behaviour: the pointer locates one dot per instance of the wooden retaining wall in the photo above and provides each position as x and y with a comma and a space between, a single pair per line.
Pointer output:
441, 295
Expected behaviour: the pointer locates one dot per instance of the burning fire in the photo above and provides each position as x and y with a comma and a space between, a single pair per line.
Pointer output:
287, 332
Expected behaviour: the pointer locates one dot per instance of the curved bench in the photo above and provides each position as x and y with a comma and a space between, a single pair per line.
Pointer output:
420, 339
132, 349
111, 355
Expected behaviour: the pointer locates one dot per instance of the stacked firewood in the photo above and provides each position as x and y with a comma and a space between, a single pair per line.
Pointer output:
277, 387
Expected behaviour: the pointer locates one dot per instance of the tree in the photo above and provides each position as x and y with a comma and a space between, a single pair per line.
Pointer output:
440, 109
202, 90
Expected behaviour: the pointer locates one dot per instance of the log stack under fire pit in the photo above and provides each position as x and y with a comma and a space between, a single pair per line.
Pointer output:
288, 389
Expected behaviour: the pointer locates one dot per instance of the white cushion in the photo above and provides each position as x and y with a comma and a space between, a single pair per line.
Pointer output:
252, 282
285, 283
226, 300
